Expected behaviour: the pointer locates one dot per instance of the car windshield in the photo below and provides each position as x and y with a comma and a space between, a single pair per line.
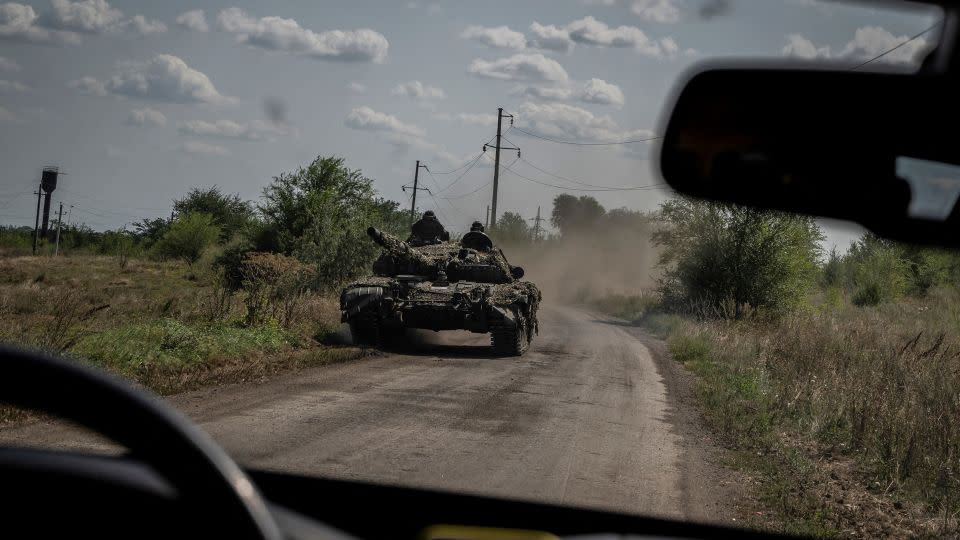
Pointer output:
426, 243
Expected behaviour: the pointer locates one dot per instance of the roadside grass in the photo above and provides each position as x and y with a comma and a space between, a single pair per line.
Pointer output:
164, 325
798, 397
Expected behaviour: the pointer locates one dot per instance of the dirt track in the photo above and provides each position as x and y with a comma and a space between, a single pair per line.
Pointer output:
584, 418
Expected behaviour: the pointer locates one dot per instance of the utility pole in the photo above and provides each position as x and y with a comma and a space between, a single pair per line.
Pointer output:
486, 224
496, 164
416, 179
536, 226
56, 250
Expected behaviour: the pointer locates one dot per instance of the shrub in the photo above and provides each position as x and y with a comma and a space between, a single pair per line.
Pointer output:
229, 212
275, 285
319, 214
724, 259
188, 237
879, 273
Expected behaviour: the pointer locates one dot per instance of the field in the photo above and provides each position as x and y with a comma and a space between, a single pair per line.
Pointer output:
846, 417
165, 325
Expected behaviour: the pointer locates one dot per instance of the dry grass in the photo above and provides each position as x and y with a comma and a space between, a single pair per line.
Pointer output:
159, 324
879, 387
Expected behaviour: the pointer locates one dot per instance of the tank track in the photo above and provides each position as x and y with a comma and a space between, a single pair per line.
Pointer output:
367, 331
509, 340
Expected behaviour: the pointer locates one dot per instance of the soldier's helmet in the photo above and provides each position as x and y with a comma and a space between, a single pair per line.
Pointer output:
476, 226
429, 215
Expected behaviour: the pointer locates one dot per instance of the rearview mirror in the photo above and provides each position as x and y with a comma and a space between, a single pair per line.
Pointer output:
867, 147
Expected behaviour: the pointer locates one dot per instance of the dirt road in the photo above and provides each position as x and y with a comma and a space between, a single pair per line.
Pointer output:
584, 418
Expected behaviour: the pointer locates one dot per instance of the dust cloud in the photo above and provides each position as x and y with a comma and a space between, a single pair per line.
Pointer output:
590, 265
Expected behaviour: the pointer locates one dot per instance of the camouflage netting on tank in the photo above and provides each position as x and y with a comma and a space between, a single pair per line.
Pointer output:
371, 281
400, 249
514, 293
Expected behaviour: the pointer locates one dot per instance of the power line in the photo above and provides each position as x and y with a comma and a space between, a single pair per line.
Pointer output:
557, 176
575, 143
457, 179
436, 183
468, 194
565, 188
890, 50
458, 168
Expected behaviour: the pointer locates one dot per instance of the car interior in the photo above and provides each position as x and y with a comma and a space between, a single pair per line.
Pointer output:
785, 136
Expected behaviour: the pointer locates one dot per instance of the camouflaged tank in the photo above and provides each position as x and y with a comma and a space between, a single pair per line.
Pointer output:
467, 285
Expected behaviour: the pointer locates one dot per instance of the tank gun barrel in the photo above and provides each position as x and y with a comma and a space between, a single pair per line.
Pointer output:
376, 235
400, 249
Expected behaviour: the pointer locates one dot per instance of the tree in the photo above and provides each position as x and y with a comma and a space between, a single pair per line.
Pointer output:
188, 236
572, 214
512, 229
229, 212
725, 257
150, 231
320, 214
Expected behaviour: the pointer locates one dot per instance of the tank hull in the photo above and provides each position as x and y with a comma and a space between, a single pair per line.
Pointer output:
378, 309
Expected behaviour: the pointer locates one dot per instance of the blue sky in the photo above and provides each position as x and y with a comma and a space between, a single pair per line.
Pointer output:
140, 101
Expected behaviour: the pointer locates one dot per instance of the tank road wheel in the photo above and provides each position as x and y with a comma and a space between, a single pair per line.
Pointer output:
511, 340
363, 333
389, 337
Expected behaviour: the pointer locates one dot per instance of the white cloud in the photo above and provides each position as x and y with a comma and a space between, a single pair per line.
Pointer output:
145, 27
418, 90
8, 65
96, 17
146, 117
601, 92
596, 91
801, 47
195, 20
659, 11
531, 67
90, 16
544, 93
203, 149
163, 78
868, 42
567, 122
12, 87
472, 119
279, 34
501, 37
550, 37
88, 85
590, 31
19, 22
357, 88
367, 119
224, 129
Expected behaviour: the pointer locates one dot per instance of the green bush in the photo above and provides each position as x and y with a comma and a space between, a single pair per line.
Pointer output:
727, 260
188, 237
229, 212
320, 214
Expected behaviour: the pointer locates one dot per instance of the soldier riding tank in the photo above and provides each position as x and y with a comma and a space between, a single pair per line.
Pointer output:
442, 285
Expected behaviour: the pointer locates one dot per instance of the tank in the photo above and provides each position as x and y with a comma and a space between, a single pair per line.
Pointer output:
466, 285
